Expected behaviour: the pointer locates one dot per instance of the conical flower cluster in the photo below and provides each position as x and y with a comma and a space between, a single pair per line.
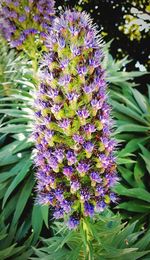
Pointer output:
74, 152
25, 22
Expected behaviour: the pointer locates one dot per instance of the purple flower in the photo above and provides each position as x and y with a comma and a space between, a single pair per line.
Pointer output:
95, 177
82, 167
58, 213
88, 89
72, 96
59, 154
73, 222
64, 63
64, 80
45, 198
96, 104
88, 146
109, 144
82, 70
61, 42
66, 205
74, 30
88, 209
85, 194
94, 62
36, 14
71, 157
22, 18
75, 184
55, 108
68, 171
49, 134
75, 50
99, 191
100, 206
104, 160
52, 93
27, 9
53, 163
59, 194
113, 197
111, 180
65, 123
83, 113
89, 128
78, 138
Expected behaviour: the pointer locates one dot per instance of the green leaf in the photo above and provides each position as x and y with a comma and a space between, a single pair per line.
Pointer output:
45, 213
20, 176
146, 157
133, 145
140, 99
127, 175
127, 111
138, 193
25, 194
134, 206
132, 128
14, 170
138, 175
37, 221
15, 129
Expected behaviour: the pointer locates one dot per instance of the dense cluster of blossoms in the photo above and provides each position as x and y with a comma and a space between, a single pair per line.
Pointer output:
74, 152
24, 22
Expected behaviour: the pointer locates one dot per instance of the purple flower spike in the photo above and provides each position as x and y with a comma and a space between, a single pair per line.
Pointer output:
74, 151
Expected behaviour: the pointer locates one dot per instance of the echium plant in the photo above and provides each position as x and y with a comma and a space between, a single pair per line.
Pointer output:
24, 23
74, 152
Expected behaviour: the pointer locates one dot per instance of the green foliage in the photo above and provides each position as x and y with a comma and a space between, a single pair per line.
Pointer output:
104, 239
131, 114
23, 219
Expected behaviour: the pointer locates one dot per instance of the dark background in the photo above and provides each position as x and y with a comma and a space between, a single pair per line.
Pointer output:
108, 14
